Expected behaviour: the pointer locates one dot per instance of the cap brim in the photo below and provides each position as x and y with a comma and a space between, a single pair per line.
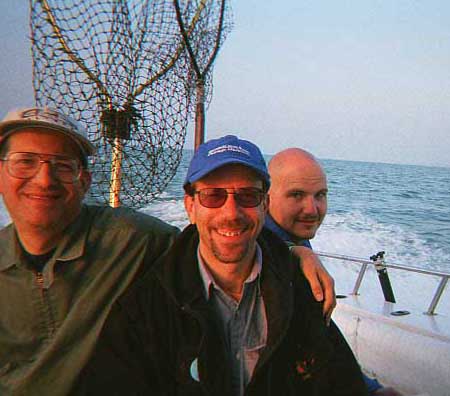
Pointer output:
8, 128
205, 171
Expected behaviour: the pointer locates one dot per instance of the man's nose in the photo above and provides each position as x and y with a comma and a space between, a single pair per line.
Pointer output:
231, 207
309, 205
45, 175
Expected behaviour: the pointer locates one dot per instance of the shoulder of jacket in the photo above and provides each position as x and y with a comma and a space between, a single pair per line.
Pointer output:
126, 219
6, 235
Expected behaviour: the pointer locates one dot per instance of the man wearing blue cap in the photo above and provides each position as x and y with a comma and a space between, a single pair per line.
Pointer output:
227, 312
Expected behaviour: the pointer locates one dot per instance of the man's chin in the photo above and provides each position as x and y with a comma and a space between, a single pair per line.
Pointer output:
231, 254
306, 232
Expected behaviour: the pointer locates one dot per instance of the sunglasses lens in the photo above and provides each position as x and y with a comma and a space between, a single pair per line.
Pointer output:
212, 197
248, 198
216, 197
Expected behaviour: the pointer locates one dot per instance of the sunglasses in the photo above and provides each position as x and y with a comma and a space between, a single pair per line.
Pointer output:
248, 197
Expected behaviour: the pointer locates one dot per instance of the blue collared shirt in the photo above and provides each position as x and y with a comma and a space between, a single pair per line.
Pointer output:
244, 322
283, 234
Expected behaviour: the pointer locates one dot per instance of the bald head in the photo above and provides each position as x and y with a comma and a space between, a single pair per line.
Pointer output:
295, 159
298, 193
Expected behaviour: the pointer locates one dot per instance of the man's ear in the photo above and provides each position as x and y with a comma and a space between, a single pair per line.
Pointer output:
1, 182
190, 207
85, 180
266, 203
3, 174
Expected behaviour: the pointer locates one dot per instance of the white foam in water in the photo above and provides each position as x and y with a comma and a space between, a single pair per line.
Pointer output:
354, 234
171, 211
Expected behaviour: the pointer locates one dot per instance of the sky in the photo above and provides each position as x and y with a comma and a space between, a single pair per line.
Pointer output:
354, 80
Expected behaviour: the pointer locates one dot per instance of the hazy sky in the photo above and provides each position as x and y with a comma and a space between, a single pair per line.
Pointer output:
357, 80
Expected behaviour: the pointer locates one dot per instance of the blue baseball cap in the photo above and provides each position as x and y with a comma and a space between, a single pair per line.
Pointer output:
229, 149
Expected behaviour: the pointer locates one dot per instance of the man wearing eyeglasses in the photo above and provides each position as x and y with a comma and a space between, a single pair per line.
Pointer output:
62, 263
227, 312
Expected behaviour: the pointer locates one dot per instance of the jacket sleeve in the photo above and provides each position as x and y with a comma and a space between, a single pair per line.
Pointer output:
120, 364
345, 375
338, 372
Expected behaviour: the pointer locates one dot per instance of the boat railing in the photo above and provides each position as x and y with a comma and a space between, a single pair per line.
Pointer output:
380, 264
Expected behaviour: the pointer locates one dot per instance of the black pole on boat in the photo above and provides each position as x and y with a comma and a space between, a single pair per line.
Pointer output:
383, 276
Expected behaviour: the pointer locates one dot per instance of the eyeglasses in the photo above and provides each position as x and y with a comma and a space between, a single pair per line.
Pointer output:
22, 165
248, 197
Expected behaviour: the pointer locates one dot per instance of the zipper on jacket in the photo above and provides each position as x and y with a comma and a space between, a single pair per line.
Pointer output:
199, 319
40, 281
49, 322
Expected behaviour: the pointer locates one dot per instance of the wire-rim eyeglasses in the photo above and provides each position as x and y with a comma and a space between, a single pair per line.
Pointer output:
26, 165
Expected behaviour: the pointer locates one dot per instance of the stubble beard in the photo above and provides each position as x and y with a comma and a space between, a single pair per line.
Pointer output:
237, 255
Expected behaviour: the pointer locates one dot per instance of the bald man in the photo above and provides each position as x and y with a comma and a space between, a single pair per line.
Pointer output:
298, 195
297, 207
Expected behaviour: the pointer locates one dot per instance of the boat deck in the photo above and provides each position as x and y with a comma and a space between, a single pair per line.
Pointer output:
398, 343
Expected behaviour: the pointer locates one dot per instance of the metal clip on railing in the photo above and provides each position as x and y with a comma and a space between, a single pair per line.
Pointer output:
383, 276
380, 265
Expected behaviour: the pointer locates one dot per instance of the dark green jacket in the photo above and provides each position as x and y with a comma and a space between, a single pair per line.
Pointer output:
49, 322
162, 329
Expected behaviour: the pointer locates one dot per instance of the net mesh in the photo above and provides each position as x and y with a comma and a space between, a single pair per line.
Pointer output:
205, 31
121, 68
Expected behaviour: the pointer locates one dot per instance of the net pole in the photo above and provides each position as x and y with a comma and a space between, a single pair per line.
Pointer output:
200, 114
199, 136
115, 182
116, 173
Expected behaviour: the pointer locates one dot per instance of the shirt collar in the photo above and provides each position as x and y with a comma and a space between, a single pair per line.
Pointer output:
208, 280
9, 247
272, 225
71, 246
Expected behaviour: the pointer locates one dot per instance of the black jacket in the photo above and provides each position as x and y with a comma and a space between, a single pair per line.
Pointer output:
163, 326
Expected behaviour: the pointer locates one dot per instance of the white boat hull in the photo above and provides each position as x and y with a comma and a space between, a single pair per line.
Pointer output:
410, 352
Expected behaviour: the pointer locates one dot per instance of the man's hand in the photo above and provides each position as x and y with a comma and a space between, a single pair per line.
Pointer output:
321, 282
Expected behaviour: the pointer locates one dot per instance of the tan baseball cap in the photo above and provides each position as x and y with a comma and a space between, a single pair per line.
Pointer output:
48, 118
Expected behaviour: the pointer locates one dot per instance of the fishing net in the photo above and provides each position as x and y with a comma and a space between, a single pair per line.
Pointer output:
203, 40
121, 68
